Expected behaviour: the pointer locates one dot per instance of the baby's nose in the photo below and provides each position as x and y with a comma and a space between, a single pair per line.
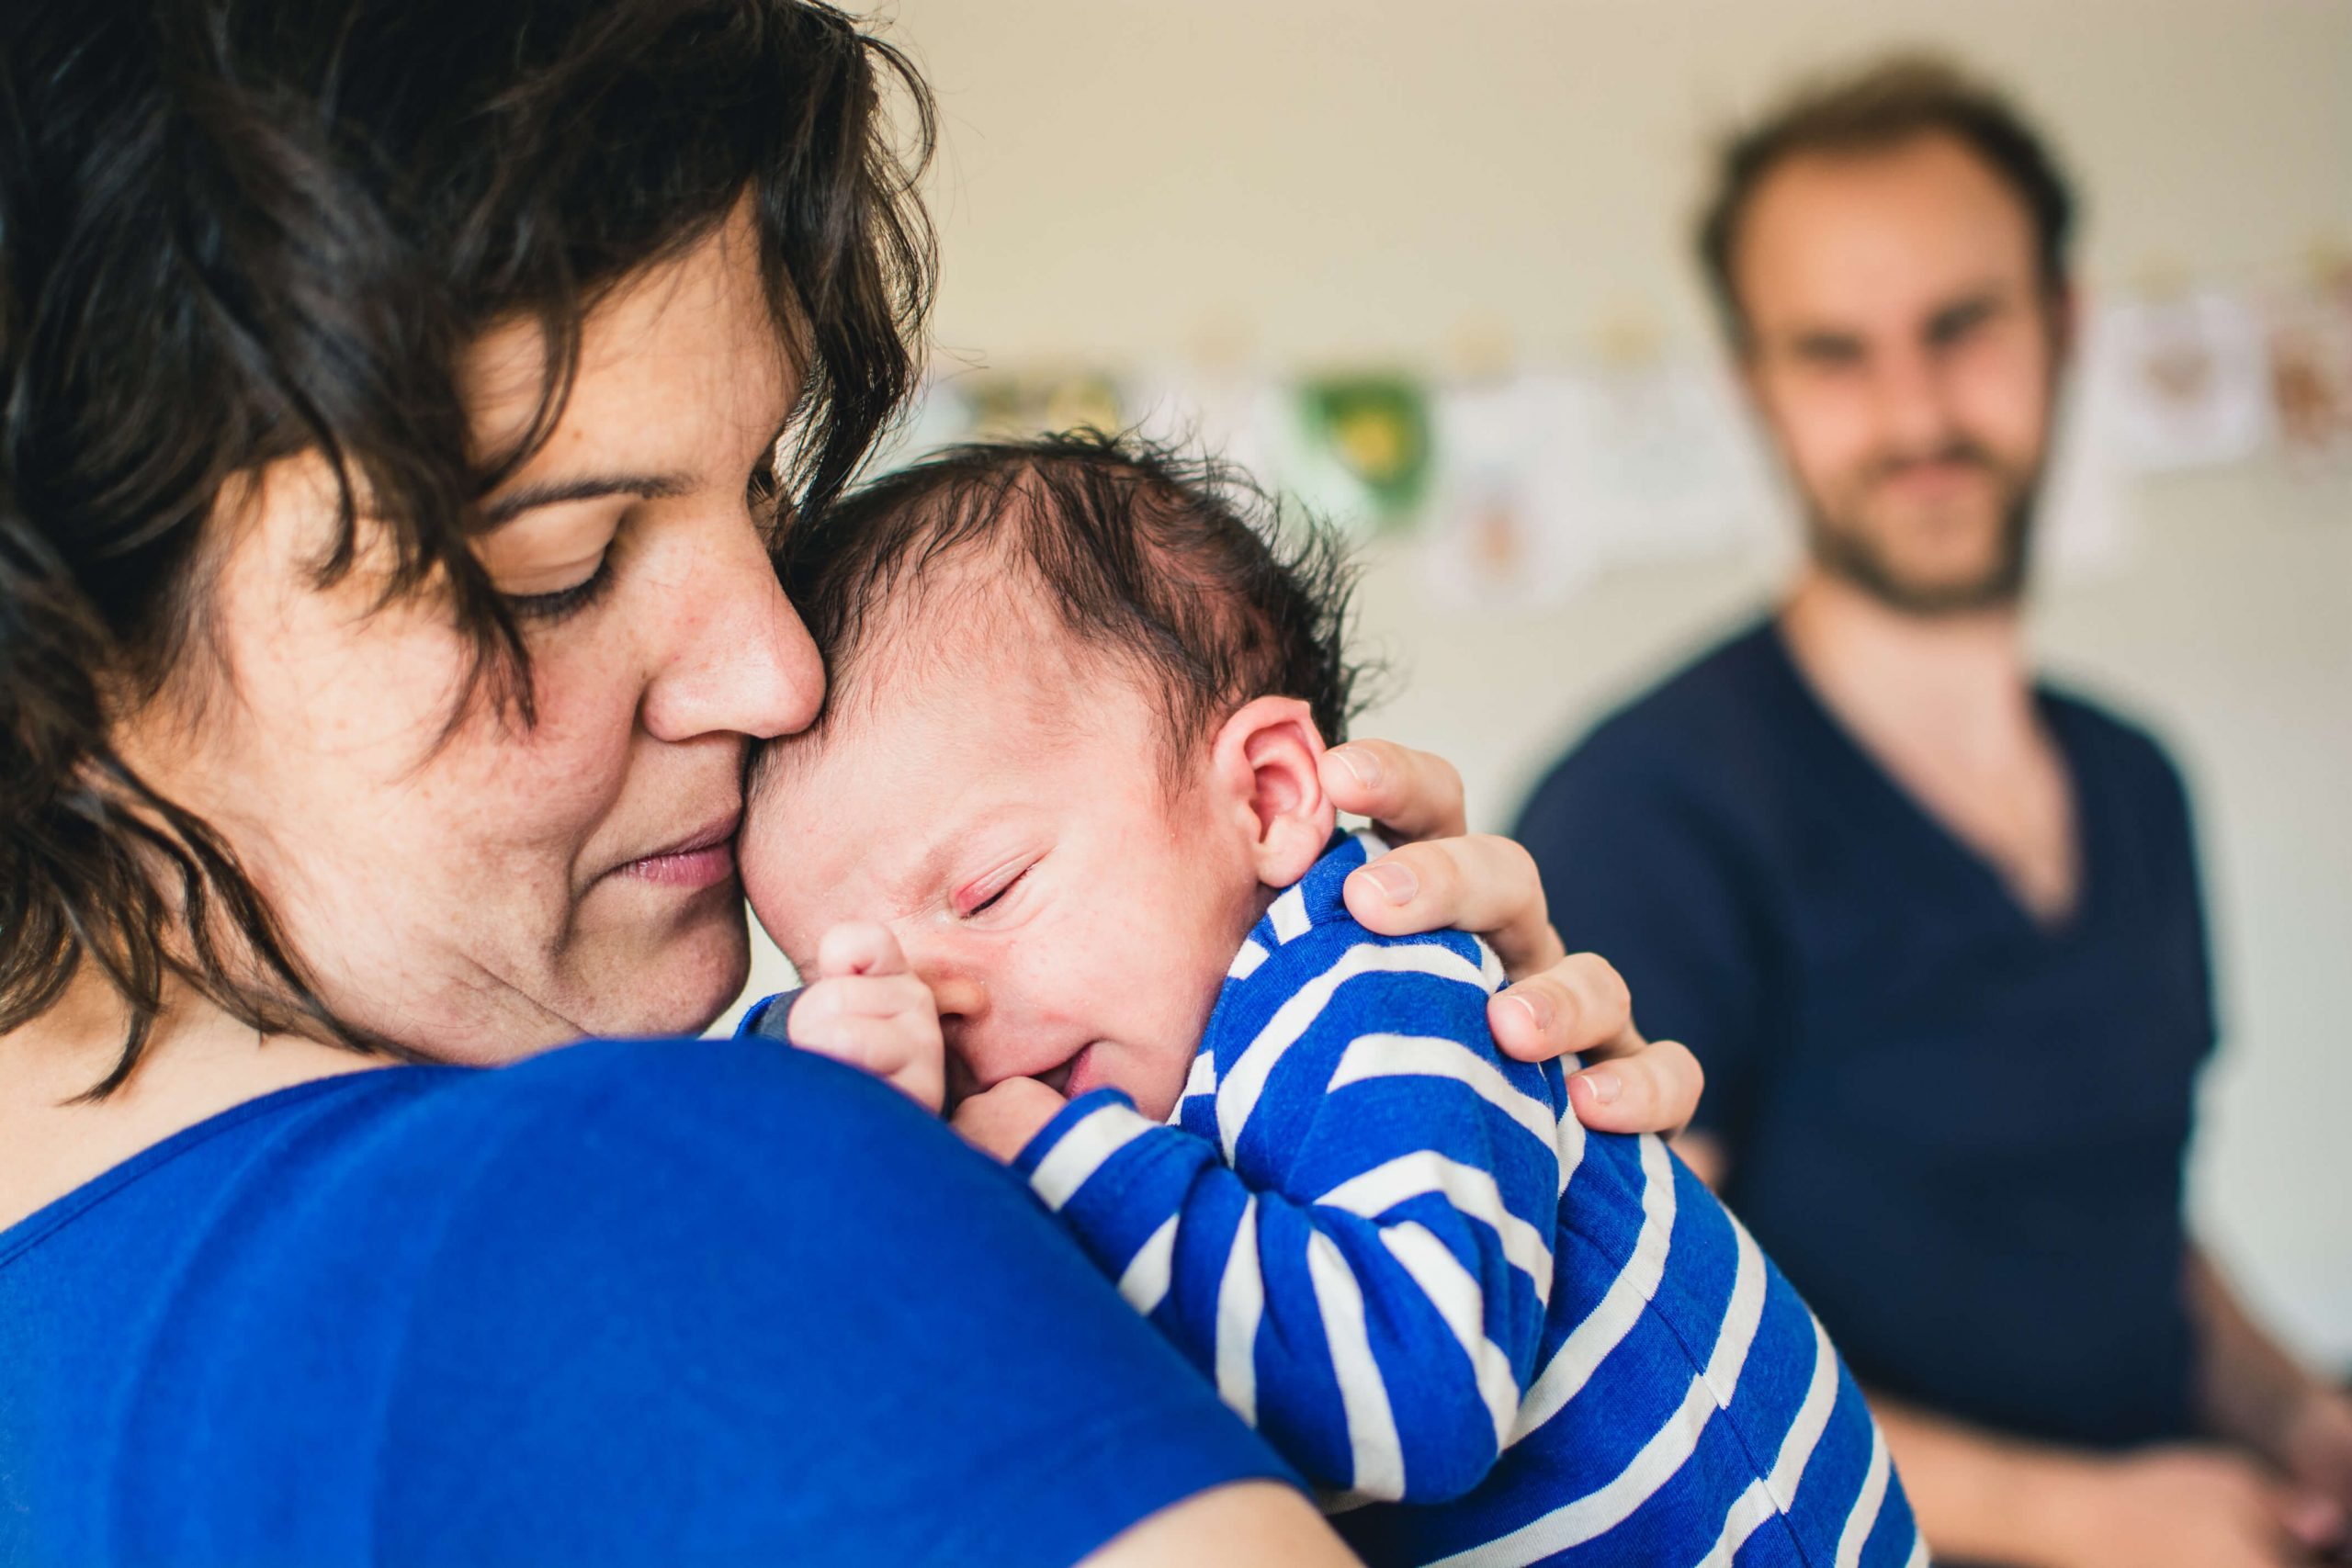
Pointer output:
963, 1008
959, 997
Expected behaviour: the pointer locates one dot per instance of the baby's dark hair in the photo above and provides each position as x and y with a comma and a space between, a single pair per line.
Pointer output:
1179, 565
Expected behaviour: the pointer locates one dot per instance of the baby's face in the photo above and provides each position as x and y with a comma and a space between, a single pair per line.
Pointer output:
1001, 802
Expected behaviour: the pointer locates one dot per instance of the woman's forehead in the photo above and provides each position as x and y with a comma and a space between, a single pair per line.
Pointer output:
685, 354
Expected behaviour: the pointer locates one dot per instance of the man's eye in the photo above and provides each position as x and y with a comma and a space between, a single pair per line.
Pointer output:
1830, 356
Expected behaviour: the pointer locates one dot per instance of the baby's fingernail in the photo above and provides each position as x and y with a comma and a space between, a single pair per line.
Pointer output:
1537, 1009
1396, 882
1362, 766
1605, 1087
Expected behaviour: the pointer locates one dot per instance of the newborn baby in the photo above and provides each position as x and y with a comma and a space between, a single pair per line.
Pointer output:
1066, 784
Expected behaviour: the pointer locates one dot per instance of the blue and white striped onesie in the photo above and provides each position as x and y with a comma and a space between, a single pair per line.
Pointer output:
1399, 1255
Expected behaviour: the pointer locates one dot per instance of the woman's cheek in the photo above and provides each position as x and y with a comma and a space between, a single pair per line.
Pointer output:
577, 749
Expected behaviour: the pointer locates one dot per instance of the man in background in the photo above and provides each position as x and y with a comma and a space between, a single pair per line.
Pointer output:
1882, 881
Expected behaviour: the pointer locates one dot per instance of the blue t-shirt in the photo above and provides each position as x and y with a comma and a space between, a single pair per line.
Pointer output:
628, 1302
1960, 1133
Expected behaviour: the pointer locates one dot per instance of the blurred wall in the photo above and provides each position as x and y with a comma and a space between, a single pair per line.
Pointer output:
1353, 181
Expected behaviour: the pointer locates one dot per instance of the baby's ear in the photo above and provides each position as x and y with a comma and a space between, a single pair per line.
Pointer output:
1267, 761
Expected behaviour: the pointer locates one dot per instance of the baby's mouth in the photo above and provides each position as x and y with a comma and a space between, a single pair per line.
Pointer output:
1069, 1079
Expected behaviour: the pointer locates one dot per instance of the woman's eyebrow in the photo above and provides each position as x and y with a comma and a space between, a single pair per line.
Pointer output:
587, 486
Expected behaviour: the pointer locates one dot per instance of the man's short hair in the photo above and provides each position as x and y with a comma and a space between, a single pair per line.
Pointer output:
1178, 567
1885, 105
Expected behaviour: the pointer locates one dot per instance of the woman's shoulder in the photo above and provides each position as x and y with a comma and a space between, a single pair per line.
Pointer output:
643, 1168
742, 1297
628, 1301
696, 1098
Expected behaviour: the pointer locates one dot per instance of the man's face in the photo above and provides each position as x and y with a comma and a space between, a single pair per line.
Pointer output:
1904, 348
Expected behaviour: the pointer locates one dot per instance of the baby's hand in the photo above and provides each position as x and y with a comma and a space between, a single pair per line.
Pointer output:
866, 1008
1001, 1121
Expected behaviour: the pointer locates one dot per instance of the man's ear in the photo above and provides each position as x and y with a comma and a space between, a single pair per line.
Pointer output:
2064, 305
1266, 763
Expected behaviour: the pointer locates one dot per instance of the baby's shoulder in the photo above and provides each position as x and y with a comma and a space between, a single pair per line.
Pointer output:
1311, 973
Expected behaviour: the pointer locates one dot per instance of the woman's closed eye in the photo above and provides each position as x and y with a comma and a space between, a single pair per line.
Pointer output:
553, 561
561, 603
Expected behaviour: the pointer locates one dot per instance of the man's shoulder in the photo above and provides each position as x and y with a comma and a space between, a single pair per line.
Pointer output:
2111, 736
1715, 729
2123, 773
1710, 696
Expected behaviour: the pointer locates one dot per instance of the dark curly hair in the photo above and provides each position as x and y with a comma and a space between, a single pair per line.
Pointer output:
1886, 104
234, 231
1179, 565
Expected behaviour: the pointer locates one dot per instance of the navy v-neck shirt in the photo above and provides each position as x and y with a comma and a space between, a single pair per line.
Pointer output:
1959, 1131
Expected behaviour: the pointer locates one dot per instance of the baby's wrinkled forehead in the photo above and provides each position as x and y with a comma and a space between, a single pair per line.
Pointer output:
967, 680
971, 639
959, 719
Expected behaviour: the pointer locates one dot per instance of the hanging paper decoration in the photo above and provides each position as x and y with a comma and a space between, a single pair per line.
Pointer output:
2188, 378
1677, 468
1014, 404
1510, 509
1365, 447
1526, 484
939, 416
2085, 526
1237, 416
2311, 370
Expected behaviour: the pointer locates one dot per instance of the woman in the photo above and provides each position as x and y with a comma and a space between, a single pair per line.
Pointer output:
389, 396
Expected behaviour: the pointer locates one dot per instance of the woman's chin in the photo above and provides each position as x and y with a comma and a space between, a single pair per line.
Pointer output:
683, 972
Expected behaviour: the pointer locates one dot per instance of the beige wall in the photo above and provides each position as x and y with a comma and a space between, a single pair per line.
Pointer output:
1360, 180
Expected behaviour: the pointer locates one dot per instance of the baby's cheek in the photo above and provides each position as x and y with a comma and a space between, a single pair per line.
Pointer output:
764, 864
1159, 1082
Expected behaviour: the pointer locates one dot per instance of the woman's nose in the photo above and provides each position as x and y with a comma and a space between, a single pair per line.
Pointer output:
739, 660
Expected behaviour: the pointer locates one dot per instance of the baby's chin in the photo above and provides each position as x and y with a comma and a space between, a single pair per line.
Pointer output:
1153, 1084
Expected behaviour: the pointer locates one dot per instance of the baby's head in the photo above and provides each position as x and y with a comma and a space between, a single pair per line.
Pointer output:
1079, 691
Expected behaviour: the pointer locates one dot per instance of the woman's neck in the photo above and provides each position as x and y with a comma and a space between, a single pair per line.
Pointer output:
198, 1063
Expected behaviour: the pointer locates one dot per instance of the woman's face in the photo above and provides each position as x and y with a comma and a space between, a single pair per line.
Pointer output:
505, 888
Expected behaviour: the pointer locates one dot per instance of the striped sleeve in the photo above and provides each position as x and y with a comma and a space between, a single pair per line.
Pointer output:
1366, 1281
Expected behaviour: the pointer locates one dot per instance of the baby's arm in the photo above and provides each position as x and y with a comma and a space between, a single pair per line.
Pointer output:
1367, 1283
868, 1009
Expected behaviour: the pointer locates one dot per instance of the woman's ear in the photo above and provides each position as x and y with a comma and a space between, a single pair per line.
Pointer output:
1267, 763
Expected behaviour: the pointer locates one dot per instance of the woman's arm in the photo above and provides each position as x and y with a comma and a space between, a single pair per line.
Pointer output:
1563, 1003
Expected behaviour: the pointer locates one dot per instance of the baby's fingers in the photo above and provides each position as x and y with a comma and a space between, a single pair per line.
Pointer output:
860, 995
859, 947
877, 1024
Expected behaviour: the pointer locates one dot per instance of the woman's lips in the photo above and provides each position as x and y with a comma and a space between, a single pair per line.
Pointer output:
702, 861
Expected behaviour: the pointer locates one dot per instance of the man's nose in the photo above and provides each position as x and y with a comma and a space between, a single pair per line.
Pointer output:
1914, 405
737, 658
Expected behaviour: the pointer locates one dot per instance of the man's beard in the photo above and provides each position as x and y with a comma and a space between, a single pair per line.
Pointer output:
1844, 544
